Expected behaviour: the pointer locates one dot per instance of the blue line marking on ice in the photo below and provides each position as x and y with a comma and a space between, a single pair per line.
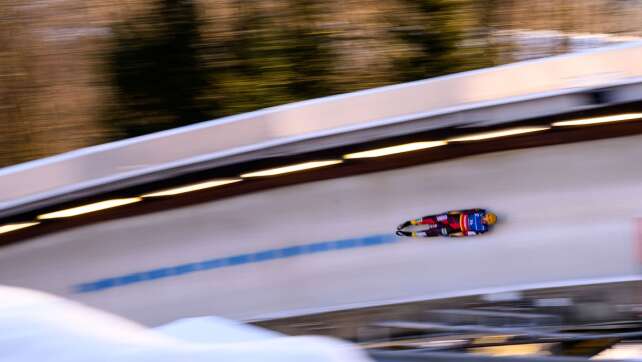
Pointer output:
234, 260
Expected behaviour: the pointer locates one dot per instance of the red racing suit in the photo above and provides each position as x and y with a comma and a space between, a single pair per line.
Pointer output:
452, 223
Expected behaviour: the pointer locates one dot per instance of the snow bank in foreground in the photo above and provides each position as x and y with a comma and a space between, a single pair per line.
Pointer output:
36, 327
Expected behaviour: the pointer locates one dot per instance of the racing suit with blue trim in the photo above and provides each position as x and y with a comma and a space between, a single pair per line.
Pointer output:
452, 223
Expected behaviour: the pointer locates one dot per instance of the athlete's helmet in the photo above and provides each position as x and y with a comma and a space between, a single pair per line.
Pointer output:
490, 218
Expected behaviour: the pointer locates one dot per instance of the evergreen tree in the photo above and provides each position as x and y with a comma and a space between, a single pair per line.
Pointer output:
157, 71
433, 35
276, 57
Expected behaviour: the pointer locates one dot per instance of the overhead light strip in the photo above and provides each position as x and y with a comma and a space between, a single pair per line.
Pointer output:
292, 168
190, 188
497, 134
385, 151
85, 209
598, 120
11, 227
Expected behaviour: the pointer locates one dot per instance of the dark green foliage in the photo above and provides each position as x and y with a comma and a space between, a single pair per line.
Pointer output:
161, 81
275, 59
434, 35
157, 71
272, 58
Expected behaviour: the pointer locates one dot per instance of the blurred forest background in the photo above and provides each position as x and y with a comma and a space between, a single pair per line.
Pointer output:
77, 73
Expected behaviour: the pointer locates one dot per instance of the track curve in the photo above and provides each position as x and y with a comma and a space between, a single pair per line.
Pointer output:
566, 213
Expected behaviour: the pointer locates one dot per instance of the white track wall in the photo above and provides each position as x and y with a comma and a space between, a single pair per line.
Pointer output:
391, 105
566, 213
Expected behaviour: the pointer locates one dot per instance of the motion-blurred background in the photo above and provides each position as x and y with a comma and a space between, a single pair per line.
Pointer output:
79, 73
